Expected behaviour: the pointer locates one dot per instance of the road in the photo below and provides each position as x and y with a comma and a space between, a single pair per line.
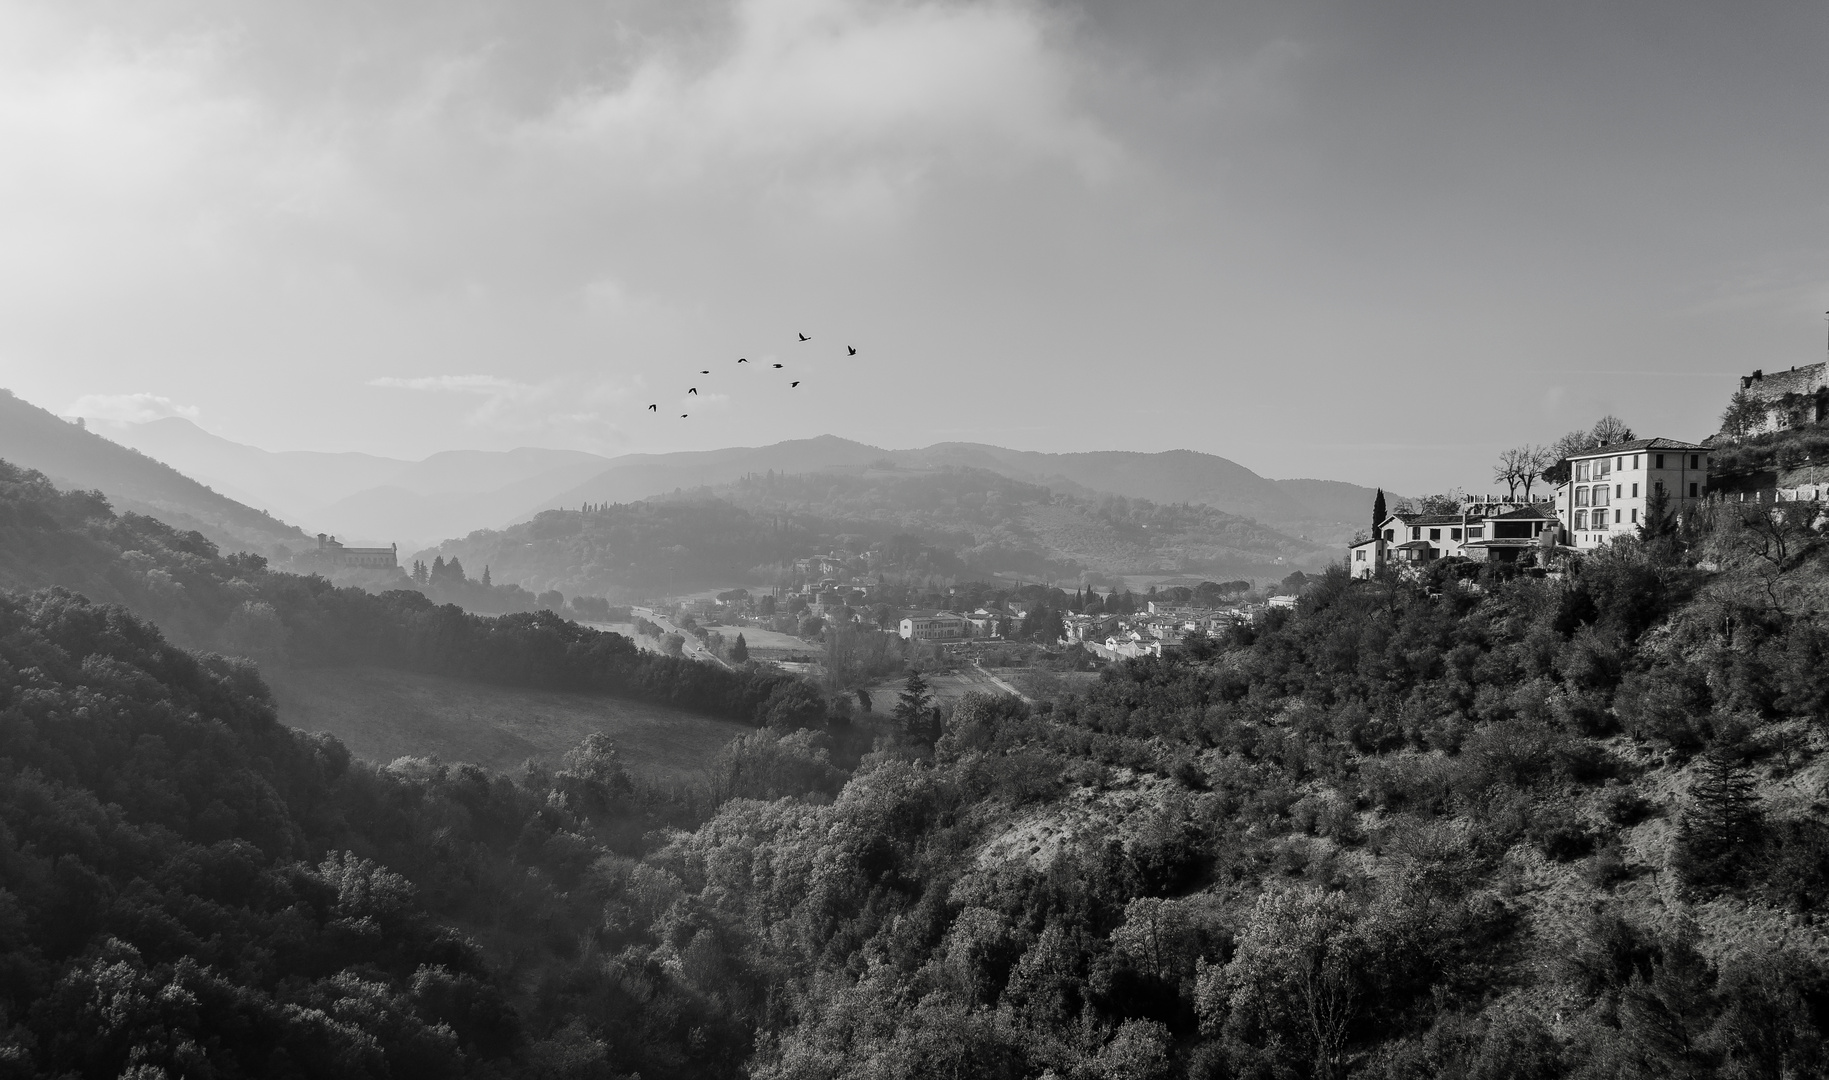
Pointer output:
695, 649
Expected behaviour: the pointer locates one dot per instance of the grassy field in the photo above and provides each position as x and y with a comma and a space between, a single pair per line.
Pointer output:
945, 686
381, 714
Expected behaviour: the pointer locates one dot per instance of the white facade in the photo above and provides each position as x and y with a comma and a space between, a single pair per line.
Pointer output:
1610, 488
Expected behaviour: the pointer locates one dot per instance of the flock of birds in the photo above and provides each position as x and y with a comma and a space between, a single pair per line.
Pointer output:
850, 350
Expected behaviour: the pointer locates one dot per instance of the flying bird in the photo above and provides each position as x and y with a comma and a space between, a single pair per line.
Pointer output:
740, 360
796, 382
777, 365
654, 408
682, 416
850, 350
803, 337
694, 390
707, 371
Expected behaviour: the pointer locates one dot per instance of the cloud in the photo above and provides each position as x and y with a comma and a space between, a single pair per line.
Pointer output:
129, 408
461, 384
574, 411
856, 103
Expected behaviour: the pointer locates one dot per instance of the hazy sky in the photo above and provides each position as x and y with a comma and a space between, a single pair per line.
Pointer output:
1367, 241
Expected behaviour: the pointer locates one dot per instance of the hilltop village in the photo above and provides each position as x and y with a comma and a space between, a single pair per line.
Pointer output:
1605, 483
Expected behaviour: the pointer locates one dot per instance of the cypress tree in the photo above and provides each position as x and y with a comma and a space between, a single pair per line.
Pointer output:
1378, 511
1721, 828
914, 714
739, 650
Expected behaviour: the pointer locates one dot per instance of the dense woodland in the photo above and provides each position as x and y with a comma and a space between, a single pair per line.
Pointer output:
1480, 824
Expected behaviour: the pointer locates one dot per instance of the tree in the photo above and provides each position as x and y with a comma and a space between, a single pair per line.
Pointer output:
739, 651
1743, 415
675, 644
1721, 828
1378, 510
1537, 459
486, 583
914, 714
1610, 429
863, 698
1510, 469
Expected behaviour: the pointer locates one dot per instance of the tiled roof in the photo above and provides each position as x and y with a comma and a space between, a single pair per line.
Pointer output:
1528, 513
1633, 447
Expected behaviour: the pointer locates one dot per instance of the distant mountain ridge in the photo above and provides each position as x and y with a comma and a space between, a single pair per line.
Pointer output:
367, 498
950, 521
1325, 511
78, 459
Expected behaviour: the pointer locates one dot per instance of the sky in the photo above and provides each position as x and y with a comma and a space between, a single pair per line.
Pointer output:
1369, 242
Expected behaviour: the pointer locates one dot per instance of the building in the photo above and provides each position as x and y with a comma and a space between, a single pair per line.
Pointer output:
387, 558
934, 626
1785, 399
1486, 528
1610, 488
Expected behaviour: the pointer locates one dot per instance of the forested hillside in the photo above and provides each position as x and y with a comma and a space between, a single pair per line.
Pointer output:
948, 522
1480, 824
36, 439
235, 604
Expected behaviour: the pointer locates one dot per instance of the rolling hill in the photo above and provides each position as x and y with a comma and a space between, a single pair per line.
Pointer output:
1324, 511
75, 458
949, 521
365, 498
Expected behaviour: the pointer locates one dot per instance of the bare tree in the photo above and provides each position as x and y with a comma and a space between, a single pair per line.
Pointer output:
1510, 469
1536, 460
1610, 429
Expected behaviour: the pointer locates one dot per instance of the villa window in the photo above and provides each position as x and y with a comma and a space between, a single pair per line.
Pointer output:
1692, 491
1416, 532
1435, 534
1581, 496
1476, 532
1581, 519
1695, 461
1603, 468
1601, 495
1660, 459
1658, 487
1454, 534
1581, 470
1389, 535
1635, 462
1635, 491
1635, 516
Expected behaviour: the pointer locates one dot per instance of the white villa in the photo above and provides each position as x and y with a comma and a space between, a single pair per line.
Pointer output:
1610, 488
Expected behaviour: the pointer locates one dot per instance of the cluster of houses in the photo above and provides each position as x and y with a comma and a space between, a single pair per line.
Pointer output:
1607, 493
1162, 626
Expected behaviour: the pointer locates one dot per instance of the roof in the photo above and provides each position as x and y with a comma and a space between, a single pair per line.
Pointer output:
1508, 541
1412, 546
1634, 446
1527, 513
1430, 519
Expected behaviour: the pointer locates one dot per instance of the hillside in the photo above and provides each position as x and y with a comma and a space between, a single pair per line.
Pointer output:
363, 498
1483, 823
237, 605
1325, 511
952, 522
79, 459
